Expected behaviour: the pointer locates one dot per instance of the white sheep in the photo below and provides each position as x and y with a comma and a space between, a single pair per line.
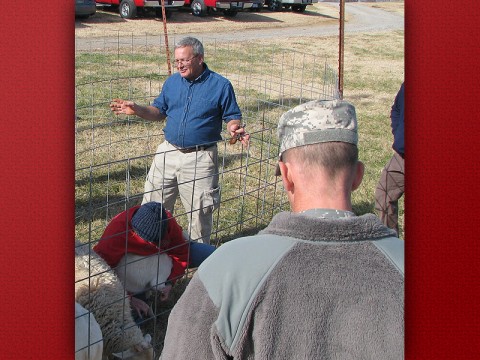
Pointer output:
141, 273
88, 336
99, 290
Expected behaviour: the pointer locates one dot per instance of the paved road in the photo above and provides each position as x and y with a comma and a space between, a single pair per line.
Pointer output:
361, 19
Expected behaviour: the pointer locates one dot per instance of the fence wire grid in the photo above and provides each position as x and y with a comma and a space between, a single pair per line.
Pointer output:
113, 153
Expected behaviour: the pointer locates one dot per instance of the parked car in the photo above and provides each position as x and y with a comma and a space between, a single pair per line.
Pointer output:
257, 5
228, 7
129, 9
85, 8
296, 5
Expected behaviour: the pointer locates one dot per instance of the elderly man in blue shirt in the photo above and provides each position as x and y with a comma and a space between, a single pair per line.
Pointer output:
195, 101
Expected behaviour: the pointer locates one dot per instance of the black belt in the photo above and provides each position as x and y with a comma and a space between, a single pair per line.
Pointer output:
194, 148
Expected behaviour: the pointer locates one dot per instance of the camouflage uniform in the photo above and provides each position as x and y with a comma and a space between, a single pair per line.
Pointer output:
316, 122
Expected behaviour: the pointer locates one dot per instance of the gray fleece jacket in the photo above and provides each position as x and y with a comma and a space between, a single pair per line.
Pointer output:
303, 288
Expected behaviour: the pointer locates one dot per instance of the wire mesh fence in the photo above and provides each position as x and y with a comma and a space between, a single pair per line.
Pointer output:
113, 153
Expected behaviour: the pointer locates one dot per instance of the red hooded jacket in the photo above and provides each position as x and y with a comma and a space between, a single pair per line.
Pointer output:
119, 238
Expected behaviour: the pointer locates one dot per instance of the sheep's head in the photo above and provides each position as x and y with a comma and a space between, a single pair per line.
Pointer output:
140, 351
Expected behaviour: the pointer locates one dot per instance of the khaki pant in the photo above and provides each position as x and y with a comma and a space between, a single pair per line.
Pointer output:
194, 176
389, 190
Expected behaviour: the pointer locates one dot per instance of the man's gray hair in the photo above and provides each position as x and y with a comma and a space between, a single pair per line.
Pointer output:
196, 45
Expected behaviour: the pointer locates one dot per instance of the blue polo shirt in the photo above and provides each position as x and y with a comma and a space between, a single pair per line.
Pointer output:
195, 109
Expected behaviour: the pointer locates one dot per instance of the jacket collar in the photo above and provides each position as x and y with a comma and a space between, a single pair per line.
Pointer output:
307, 227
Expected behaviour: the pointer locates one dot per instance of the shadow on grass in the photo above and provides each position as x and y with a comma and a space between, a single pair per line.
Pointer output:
103, 16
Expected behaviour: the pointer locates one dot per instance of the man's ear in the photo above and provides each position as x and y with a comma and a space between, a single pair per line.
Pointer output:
358, 176
286, 178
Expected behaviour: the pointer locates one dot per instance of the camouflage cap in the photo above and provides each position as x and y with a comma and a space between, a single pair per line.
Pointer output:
316, 122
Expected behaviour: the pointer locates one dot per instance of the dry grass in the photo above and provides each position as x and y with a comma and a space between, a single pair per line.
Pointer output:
374, 69
182, 21
395, 7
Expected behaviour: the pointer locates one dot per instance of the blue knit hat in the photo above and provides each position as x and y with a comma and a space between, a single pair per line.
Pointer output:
149, 222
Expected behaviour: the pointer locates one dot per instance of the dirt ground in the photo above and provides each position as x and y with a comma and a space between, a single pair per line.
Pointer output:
182, 21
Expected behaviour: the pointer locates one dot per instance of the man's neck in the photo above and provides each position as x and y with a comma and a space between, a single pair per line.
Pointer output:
300, 203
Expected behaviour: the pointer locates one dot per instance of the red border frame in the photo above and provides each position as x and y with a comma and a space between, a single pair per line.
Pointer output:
442, 137
37, 181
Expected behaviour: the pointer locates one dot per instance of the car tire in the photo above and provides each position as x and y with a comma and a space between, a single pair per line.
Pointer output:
127, 9
275, 5
198, 8
299, 8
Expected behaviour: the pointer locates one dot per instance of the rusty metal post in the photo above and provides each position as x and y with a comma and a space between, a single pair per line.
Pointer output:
167, 50
341, 47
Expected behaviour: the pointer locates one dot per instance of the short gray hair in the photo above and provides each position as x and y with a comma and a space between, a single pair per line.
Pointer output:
196, 45
331, 156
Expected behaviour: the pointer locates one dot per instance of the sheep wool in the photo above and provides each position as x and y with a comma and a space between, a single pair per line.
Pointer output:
100, 291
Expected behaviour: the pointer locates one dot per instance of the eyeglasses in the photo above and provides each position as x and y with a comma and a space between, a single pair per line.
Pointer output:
184, 62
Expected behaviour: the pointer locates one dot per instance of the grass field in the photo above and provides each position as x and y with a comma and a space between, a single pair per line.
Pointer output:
374, 70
